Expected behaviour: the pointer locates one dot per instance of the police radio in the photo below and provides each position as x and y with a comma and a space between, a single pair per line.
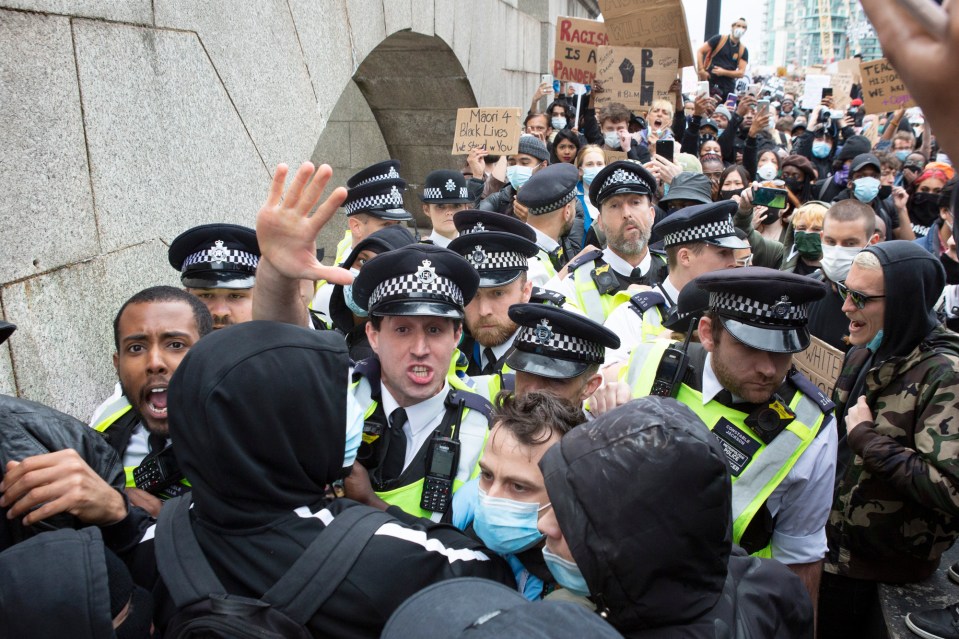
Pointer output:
672, 368
158, 470
442, 458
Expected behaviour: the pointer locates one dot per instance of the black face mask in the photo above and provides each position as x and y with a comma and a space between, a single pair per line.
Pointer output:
952, 269
924, 208
884, 191
727, 194
771, 216
794, 184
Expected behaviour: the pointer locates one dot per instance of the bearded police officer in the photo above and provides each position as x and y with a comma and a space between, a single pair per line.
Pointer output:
550, 199
597, 280
499, 248
774, 425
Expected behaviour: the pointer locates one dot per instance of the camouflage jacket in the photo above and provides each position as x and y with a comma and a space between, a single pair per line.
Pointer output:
896, 507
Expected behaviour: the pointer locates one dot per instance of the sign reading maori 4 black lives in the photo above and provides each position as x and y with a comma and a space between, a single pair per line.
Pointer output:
634, 76
496, 129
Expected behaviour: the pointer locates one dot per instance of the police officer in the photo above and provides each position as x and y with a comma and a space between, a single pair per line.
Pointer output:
597, 280
499, 248
424, 428
550, 197
697, 239
217, 263
444, 193
774, 425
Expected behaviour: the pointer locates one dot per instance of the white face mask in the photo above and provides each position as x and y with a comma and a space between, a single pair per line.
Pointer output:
558, 123
611, 139
738, 33
837, 260
767, 172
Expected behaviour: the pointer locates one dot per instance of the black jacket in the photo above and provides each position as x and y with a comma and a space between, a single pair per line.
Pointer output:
28, 428
643, 498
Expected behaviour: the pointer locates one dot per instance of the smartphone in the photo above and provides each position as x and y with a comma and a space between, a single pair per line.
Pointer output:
763, 104
827, 92
732, 100
547, 78
702, 88
664, 148
769, 197
754, 89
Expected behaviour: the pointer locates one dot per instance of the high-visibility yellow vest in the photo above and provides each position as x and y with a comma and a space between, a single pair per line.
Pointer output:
588, 300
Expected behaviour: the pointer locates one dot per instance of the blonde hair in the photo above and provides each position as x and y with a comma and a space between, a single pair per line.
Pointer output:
867, 260
589, 148
666, 105
810, 214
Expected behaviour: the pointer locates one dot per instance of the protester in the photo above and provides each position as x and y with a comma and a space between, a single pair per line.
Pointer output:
590, 160
531, 156
723, 59
807, 225
564, 148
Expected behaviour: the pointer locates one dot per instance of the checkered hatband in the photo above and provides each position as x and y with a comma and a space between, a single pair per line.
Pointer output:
391, 200
436, 193
542, 339
476, 228
219, 254
782, 311
432, 193
392, 174
700, 232
552, 206
483, 260
622, 176
423, 284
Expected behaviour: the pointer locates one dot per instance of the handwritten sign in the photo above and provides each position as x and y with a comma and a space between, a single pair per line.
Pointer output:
574, 58
615, 156
821, 363
812, 90
651, 23
841, 84
496, 129
850, 66
883, 90
635, 76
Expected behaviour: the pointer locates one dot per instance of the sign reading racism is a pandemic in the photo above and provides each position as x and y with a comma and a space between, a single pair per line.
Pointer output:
574, 58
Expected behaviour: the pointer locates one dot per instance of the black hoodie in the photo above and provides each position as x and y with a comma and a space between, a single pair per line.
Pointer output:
258, 422
643, 498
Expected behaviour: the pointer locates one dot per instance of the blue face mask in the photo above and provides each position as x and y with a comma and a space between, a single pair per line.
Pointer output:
820, 150
866, 189
518, 175
721, 131
902, 155
558, 123
874, 343
348, 297
566, 573
506, 526
589, 173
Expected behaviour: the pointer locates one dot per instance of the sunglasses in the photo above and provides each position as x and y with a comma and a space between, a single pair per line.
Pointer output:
858, 298
912, 167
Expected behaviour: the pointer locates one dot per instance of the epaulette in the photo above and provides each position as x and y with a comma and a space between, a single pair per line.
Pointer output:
368, 368
657, 249
508, 382
810, 390
546, 296
585, 258
472, 401
642, 302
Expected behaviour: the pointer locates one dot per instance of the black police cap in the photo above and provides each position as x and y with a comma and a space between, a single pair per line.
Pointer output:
549, 189
498, 256
762, 307
475, 221
623, 176
380, 198
216, 256
386, 170
445, 187
711, 223
556, 343
691, 305
418, 279
381, 241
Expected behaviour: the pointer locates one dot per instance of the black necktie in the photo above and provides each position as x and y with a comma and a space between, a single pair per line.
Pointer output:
156, 442
490, 367
396, 447
636, 276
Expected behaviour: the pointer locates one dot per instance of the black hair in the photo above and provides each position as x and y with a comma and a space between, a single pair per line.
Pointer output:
156, 294
569, 136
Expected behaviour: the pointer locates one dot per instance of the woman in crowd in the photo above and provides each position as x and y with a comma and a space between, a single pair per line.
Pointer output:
807, 245
565, 147
590, 160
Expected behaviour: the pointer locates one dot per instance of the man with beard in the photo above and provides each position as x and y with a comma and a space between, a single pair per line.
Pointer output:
550, 197
775, 426
597, 280
217, 263
152, 332
499, 248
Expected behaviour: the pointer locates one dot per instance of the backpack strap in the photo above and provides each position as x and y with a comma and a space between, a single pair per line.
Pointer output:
325, 564
185, 571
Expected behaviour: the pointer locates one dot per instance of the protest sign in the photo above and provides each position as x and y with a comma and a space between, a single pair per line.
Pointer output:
841, 84
821, 363
652, 23
496, 129
850, 66
574, 58
882, 89
812, 90
635, 76
615, 156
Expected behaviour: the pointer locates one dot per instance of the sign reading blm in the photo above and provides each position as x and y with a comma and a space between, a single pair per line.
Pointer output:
574, 58
495, 129
635, 76
882, 88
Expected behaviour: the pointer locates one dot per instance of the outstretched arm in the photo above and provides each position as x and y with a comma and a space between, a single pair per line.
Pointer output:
286, 233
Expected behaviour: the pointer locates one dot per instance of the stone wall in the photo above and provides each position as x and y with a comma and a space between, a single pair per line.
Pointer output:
126, 122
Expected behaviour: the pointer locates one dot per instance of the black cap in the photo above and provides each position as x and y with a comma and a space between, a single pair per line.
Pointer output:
380, 198
622, 176
6, 330
383, 240
710, 223
691, 305
762, 307
386, 170
556, 343
419, 279
853, 146
797, 126
499, 252
482, 609
863, 160
691, 186
709, 123
549, 189
216, 256
445, 187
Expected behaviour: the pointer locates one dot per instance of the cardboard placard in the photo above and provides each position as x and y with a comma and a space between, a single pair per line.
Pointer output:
635, 76
821, 363
812, 90
882, 88
850, 66
841, 86
495, 128
650, 24
615, 156
574, 57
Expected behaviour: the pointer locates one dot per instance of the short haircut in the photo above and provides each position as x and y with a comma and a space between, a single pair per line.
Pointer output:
867, 260
905, 136
666, 105
377, 320
889, 161
850, 211
615, 112
159, 294
530, 116
810, 214
672, 252
535, 417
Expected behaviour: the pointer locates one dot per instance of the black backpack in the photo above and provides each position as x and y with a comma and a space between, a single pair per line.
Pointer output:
205, 609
